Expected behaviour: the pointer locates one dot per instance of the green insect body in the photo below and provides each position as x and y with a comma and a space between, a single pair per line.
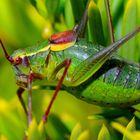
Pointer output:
88, 71
116, 83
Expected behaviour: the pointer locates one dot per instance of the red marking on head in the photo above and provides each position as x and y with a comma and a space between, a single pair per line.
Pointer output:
63, 37
18, 60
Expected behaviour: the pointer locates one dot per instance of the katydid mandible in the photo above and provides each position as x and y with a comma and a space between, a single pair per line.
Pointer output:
90, 72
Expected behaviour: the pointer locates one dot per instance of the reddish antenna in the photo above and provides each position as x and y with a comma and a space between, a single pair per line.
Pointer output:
6, 54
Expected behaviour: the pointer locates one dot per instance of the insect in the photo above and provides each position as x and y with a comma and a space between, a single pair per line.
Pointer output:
90, 72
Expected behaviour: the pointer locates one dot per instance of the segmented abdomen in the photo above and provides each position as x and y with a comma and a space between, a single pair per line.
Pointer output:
116, 84
126, 76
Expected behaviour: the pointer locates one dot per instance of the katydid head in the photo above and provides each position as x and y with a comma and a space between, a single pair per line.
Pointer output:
63, 37
14, 61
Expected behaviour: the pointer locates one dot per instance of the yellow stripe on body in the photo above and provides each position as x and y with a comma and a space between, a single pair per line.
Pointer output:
41, 50
52, 47
61, 47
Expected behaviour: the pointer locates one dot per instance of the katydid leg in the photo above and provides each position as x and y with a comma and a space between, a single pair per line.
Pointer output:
65, 64
29, 80
47, 60
19, 94
94, 62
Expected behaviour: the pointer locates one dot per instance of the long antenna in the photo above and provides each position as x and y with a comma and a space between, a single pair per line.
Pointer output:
83, 21
5, 52
113, 47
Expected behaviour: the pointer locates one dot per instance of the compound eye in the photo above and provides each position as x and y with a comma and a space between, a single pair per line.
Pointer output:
18, 60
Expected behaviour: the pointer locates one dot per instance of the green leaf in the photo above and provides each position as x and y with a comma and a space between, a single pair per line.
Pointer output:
96, 117
33, 133
110, 114
15, 31
113, 113
80, 132
117, 10
104, 134
9, 121
33, 2
130, 22
122, 129
69, 17
52, 8
130, 127
101, 6
55, 129
40, 5
95, 28
78, 9
77, 130
41, 129
84, 135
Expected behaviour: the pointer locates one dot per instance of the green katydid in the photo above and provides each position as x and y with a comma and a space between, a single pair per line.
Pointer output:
88, 71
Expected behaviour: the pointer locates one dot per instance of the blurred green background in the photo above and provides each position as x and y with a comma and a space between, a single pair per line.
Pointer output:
26, 23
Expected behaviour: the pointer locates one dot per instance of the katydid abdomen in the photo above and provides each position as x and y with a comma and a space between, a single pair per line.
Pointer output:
116, 87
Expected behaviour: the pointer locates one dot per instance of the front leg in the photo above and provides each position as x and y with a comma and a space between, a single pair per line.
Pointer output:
29, 86
66, 63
